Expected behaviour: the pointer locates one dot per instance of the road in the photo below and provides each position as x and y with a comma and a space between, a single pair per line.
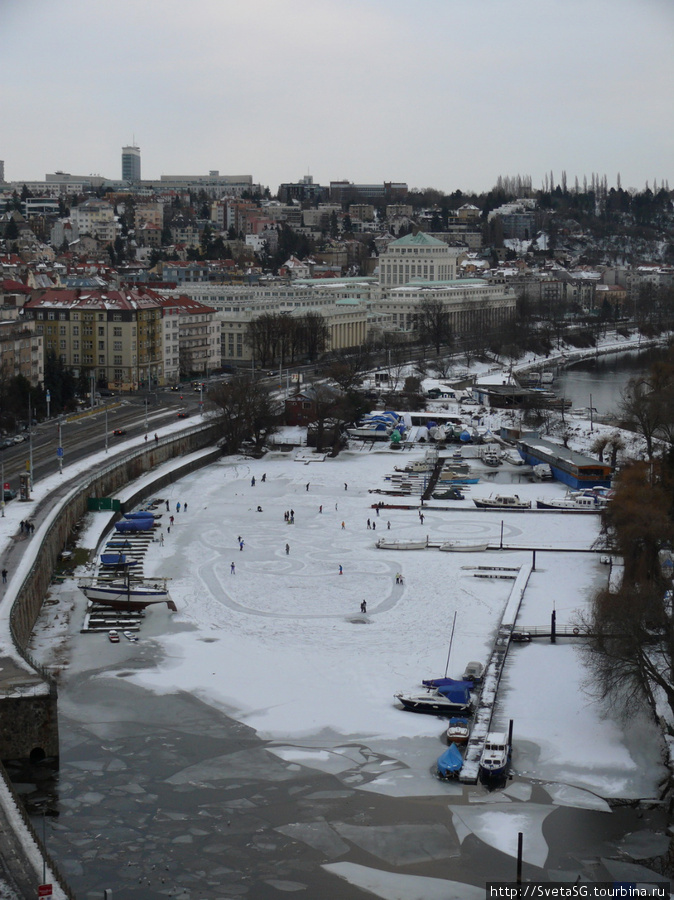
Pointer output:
85, 433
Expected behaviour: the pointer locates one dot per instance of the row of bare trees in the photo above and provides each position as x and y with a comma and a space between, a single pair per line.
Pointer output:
284, 338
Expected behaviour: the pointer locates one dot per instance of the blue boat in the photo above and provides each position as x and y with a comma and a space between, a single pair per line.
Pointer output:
139, 515
450, 762
117, 559
439, 683
132, 525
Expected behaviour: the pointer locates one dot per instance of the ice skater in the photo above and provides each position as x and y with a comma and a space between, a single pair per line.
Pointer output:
252, 481
363, 607
171, 520
308, 483
178, 506
167, 506
388, 526
232, 569
4, 576
287, 549
341, 570
240, 545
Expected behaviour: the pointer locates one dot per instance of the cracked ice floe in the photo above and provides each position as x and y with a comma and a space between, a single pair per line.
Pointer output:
519, 790
566, 795
645, 844
499, 828
401, 845
317, 835
329, 761
394, 886
247, 765
408, 783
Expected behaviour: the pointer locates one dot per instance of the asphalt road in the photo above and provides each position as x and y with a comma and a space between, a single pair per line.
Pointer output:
85, 433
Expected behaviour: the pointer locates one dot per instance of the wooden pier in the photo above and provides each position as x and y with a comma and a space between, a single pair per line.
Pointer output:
492, 676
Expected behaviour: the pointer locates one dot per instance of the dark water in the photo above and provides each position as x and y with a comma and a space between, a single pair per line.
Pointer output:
603, 378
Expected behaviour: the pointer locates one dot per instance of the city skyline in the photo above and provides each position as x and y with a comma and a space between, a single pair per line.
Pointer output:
444, 94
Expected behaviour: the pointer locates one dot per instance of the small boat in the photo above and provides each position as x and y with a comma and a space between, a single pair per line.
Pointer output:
445, 682
437, 703
384, 544
502, 501
464, 546
142, 514
453, 493
450, 762
473, 672
458, 730
127, 596
542, 472
495, 757
117, 559
513, 457
457, 478
490, 457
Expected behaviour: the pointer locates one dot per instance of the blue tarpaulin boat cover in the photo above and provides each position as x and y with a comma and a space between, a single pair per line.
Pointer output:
450, 762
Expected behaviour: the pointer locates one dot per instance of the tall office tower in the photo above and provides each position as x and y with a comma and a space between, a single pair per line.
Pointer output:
2, 171
131, 163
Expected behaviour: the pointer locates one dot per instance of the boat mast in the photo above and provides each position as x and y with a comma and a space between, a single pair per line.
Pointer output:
451, 638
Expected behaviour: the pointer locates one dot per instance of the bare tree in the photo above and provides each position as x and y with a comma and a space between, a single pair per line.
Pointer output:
433, 324
247, 412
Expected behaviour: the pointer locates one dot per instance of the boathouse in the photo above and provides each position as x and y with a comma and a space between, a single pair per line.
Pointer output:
568, 466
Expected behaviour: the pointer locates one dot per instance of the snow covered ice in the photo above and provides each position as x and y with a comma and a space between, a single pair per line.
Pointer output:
282, 647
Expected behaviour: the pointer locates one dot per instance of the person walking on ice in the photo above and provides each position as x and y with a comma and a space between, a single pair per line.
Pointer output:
241, 544
308, 483
363, 607
178, 506
252, 481
287, 549
341, 570
4, 576
232, 569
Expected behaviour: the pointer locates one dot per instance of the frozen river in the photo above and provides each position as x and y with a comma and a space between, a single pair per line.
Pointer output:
250, 745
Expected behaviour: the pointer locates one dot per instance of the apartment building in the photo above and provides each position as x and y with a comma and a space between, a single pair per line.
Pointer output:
116, 336
21, 351
191, 338
95, 218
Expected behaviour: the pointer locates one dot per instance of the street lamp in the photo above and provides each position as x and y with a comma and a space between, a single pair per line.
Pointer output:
106, 429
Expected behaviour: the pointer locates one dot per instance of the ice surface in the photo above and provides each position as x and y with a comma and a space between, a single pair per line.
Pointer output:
397, 886
566, 795
318, 835
499, 828
402, 844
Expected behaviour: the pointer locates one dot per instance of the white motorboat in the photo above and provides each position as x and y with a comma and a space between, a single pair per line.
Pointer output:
495, 756
463, 546
384, 544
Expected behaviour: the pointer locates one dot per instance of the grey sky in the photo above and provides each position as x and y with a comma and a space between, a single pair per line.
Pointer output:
441, 93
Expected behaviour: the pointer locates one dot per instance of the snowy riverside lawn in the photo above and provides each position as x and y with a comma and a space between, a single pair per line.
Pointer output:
281, 644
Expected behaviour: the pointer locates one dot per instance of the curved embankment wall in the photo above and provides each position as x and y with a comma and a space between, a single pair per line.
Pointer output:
33, 718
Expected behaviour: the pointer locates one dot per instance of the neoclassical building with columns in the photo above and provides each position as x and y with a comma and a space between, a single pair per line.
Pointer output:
418, 267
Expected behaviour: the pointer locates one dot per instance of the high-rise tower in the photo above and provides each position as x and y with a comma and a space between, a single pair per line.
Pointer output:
131, 163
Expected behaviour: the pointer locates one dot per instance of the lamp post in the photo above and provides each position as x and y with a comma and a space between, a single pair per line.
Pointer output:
59, 450
106, 429
30, 445
2, 502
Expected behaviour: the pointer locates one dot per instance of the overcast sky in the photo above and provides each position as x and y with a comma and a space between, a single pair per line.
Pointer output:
437, 93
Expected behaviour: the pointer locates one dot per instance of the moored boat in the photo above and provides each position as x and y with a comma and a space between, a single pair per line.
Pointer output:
450, 762
574, 503
502, 501
437, 703
458, 730
495, 757
133, 525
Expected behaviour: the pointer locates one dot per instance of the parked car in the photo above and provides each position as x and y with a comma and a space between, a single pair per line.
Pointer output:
520, 637
9, 495
19, 438
7, 442
113, 636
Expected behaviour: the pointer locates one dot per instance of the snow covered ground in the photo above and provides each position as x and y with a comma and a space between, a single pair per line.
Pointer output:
282, 646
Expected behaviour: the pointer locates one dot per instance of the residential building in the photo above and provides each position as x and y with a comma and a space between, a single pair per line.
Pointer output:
21, 351
191, 338
304, 191
95, 218
113, 335
345, 193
